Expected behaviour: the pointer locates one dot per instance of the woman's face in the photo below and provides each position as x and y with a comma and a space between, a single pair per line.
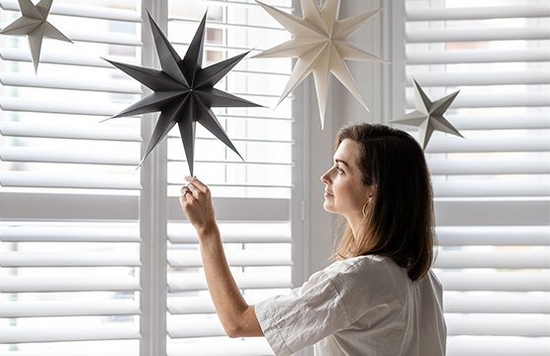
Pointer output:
345, 192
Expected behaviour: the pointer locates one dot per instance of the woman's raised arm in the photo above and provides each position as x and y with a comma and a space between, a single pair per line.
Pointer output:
237, 317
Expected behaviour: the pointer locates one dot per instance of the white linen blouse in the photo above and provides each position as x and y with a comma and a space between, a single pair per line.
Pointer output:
365, 305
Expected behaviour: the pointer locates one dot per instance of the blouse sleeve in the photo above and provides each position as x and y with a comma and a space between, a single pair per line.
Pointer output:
303, 317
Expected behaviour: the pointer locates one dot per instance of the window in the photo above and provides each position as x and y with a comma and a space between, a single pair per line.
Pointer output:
492, 188
95, 254
253, 196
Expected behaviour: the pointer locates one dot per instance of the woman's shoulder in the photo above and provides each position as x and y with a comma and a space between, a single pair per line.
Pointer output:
366, 267
370, 279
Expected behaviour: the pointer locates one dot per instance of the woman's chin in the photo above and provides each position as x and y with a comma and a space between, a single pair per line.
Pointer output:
328, 207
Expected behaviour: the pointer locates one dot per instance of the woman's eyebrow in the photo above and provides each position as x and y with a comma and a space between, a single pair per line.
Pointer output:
341, 161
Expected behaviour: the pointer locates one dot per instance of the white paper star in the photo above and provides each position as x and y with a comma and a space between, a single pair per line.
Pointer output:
428, 115
320, 43
33, 24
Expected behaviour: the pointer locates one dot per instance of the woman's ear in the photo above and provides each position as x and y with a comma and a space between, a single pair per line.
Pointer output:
370, 193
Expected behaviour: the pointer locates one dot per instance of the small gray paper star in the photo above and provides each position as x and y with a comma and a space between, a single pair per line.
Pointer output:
428, 115
183, 92
33, 24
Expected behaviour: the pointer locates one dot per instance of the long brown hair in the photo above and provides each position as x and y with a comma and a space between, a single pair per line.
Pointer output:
399, 221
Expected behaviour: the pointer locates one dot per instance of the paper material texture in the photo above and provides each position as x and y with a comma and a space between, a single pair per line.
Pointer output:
428, 116
33, 24
320, 44
183, 92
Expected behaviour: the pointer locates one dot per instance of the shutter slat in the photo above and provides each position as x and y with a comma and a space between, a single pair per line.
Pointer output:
468, 303
484, 211
202, 328
494, 100
190, 305
104, 13
196, 281
82, 132
91, 156
497, 346
481, 78
495, 281
224, 346
478, 13
477, 56
24, 334
60, 107
66, 284
283, 5
198, 305
491, 188
440, 143
22, 259
493, 235
487, 166
478, 34
87, 208
253, 210
67, 180
70, 83
190, 259
235, 233
44, 233
114, 351
504, 122
67, 308
108, 38
61, 57
498, 325
531, 258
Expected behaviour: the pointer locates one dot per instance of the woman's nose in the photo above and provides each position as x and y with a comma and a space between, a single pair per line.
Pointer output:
325, 178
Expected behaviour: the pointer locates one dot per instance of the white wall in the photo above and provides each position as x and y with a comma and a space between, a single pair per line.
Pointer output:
342, 108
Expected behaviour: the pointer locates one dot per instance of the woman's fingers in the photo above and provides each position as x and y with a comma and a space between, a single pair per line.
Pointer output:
193, 187
195, 190
193, 181
185, 190
196, 203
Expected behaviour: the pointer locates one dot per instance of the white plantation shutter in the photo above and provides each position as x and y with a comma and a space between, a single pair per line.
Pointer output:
493, 187
252, 197
69, 191
95, 257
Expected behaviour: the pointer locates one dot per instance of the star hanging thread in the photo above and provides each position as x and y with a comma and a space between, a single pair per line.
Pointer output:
183, 92
33, 24
320, 44
428, 116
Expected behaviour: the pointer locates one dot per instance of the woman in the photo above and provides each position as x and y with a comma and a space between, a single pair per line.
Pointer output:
379, 296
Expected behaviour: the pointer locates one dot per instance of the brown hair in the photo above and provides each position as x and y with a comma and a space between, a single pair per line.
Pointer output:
399, 221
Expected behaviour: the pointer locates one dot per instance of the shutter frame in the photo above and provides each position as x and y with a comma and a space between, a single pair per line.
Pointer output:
491, 195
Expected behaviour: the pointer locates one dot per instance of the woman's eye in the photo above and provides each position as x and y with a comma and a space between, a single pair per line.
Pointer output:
339, 170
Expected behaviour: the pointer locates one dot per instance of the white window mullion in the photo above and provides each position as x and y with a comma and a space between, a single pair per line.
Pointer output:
153, 209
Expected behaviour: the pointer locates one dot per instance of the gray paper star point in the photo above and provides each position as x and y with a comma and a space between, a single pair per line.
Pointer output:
428, 116
33, 24
183, 92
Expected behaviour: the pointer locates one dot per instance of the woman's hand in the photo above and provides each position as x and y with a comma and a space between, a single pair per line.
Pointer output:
197, 205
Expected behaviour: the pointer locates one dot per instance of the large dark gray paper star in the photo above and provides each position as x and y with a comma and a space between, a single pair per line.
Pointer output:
183, 92
33, 24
